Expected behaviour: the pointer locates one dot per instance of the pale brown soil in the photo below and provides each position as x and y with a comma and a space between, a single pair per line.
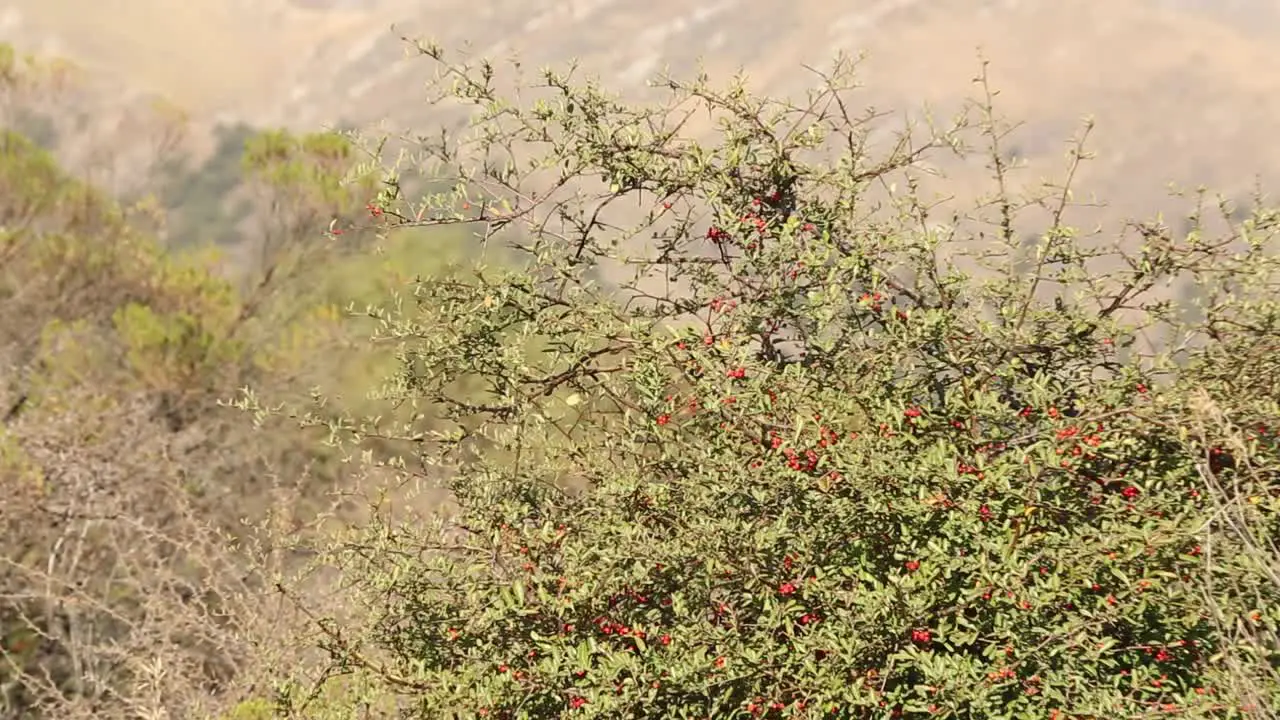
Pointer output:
1184, 91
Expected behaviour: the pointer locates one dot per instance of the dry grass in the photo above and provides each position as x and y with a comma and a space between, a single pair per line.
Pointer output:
207, 56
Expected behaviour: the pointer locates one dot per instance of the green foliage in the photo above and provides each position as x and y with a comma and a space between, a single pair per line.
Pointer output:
829, 450
173, 343
24, 80
31, 181
313, 167
17, 464
167, 309
252, 172
254, 709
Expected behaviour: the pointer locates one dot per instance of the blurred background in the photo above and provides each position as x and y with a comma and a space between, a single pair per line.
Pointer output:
1184, 91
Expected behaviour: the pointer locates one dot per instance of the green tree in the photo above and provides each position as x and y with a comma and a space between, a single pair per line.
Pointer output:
824, 449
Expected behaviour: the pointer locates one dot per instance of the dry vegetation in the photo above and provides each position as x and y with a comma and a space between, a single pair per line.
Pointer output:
165, 555
130, 492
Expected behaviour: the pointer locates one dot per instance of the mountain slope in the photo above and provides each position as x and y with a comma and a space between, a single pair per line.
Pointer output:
1183, 90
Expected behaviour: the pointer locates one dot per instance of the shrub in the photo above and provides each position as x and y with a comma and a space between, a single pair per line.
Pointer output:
829, 449
121, 592
132, 502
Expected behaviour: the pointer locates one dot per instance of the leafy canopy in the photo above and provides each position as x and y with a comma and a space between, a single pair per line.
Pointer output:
762, 430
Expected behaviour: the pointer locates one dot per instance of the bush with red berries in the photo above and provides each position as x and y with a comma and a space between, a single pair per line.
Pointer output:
761, 431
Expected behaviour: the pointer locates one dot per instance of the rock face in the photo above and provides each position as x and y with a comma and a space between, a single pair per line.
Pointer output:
1183, 90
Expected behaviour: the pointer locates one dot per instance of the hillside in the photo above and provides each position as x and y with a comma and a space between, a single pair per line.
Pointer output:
280, 439
1183, 90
